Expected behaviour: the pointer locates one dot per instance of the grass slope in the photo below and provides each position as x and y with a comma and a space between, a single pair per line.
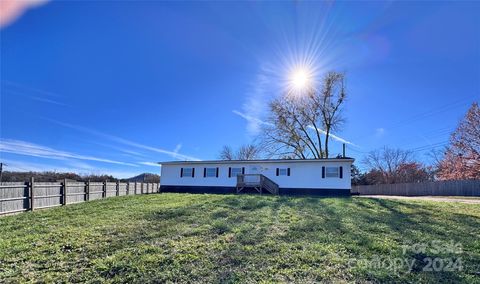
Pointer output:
228, 238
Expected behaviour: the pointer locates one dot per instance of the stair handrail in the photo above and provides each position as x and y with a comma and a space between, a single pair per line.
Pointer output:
269, 184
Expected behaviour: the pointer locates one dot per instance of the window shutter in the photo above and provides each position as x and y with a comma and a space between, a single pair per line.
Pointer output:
181, 172
217, 172
193, 172
204, 172
341, 172
277, 172
243, 170
229, 172
323, 172
288, 172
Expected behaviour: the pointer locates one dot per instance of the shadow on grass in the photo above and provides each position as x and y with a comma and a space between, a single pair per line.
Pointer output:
320, 217
227, 236
221, 238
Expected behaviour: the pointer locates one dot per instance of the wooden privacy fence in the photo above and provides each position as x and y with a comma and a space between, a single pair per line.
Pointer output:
27, 196
437, 188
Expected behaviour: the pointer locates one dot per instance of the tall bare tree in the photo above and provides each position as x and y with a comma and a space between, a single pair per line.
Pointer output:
462, 156
299, 126
331, 99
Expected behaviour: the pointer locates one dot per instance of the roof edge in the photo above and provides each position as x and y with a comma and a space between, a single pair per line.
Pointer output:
346, 159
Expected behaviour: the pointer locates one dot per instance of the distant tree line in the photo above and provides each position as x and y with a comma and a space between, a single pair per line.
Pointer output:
49, 176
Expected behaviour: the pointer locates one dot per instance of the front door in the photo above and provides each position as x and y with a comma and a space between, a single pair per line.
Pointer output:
254, 170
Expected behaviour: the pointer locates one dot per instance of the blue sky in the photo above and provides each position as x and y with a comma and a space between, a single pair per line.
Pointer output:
116, 86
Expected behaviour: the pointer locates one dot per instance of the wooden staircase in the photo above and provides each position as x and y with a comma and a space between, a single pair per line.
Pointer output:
257, 181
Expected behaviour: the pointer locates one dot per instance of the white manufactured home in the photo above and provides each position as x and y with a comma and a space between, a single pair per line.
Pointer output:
320, 176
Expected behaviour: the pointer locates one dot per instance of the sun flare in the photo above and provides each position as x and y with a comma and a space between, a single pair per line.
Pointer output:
301, 80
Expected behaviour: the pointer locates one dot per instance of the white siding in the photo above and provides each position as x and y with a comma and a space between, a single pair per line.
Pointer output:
302, 174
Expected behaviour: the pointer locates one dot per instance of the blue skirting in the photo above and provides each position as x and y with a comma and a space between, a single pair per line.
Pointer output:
230, 190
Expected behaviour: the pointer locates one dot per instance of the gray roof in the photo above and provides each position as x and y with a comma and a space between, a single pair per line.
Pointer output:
346, 159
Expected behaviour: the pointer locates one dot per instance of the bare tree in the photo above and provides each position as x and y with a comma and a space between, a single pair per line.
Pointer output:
436, 156
245, 152
287, 133
248, 152
226, 153
385, 164
297, 124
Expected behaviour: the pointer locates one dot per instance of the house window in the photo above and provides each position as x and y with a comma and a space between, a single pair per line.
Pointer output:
187, 172
283, 171
332, 172
210, 172
235, 172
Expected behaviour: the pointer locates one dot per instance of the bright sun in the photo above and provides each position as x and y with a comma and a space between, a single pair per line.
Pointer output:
300, 80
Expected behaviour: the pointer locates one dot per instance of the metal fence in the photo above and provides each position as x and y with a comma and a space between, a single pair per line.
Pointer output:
27, 196
437, 188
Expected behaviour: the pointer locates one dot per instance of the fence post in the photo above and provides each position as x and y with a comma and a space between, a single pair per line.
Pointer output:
117, 188
128, 187
135, 189
31, 194
64, 195
87, 191
104, 190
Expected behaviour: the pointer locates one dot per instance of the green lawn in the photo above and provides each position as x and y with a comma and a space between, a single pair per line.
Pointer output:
240, 238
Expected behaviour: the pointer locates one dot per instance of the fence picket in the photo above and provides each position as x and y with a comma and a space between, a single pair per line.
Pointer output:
31, 193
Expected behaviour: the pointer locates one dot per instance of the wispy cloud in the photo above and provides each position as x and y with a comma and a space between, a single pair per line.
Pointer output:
21, 87
34, 150
379, 132
45, 100
31, 93
251, 119
177, 148
261, 122
150, 164
128, 152
333, 136
257, 98
123, 141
